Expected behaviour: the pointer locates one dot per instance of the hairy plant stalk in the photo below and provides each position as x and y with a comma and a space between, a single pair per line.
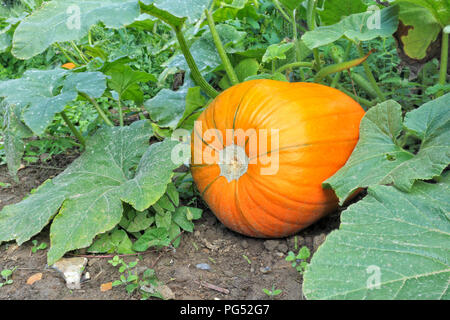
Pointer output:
195, 72
337, 77
82, 56
311, 21
221, 50
72, 128
444, 62
280, 8
65, 53
99, 110
298, 52
299, 64
360, 100
196, 75
370, 76
120, 112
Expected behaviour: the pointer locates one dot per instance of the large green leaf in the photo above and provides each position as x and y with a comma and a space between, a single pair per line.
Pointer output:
175, 12
277, 51
379, 158
14, 131
439, 8
417, 36
66, 20
43, 93
357, 27
391, 245
171, 108
87, 197
125, 81
7, 32
335, 10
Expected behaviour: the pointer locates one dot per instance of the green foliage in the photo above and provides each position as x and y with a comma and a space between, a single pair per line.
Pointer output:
36, 247
381, 145
272, 292
122, 195
299, 260
6, 276
90, 190
357, 27
32, 93
276, 51
391, 245
147, 285
421, 32
334, 10
67, 20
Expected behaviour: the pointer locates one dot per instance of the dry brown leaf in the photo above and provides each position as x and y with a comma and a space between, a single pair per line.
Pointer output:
106, 286
35, 277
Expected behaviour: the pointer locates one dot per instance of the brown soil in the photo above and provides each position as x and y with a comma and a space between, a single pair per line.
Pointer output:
210, 243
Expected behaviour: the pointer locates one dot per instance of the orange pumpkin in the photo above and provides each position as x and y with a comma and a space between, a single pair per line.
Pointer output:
261, 150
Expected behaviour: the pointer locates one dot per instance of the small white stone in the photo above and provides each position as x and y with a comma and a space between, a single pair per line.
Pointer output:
71, 269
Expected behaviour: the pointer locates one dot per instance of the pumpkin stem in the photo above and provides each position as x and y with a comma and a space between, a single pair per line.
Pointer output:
444, 62
233, 162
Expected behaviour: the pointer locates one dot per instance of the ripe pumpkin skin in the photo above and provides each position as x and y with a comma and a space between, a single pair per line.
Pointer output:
318, 130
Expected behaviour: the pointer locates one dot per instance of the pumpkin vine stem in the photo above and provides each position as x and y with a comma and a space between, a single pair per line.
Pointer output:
300, 64
64, 51
280, 8
99, 110
80, 53
370, 76
360, 100
220, 49
444, 62
311, 22
298, 52
119, 106
72, 128
195, 72
337, 77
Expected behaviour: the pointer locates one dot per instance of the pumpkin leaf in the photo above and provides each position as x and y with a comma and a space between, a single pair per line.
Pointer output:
183, 217
245, 68
390, 245
125, 81
175, 12
439, 8
228, 10
171, 108
152, 237
144, 21
277, 51
335, 10
418, 39
135, 221
379, 158
43, 93
173, 194
356, 27
67, 20
14, 131
86, 197
116, 241
163, 219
